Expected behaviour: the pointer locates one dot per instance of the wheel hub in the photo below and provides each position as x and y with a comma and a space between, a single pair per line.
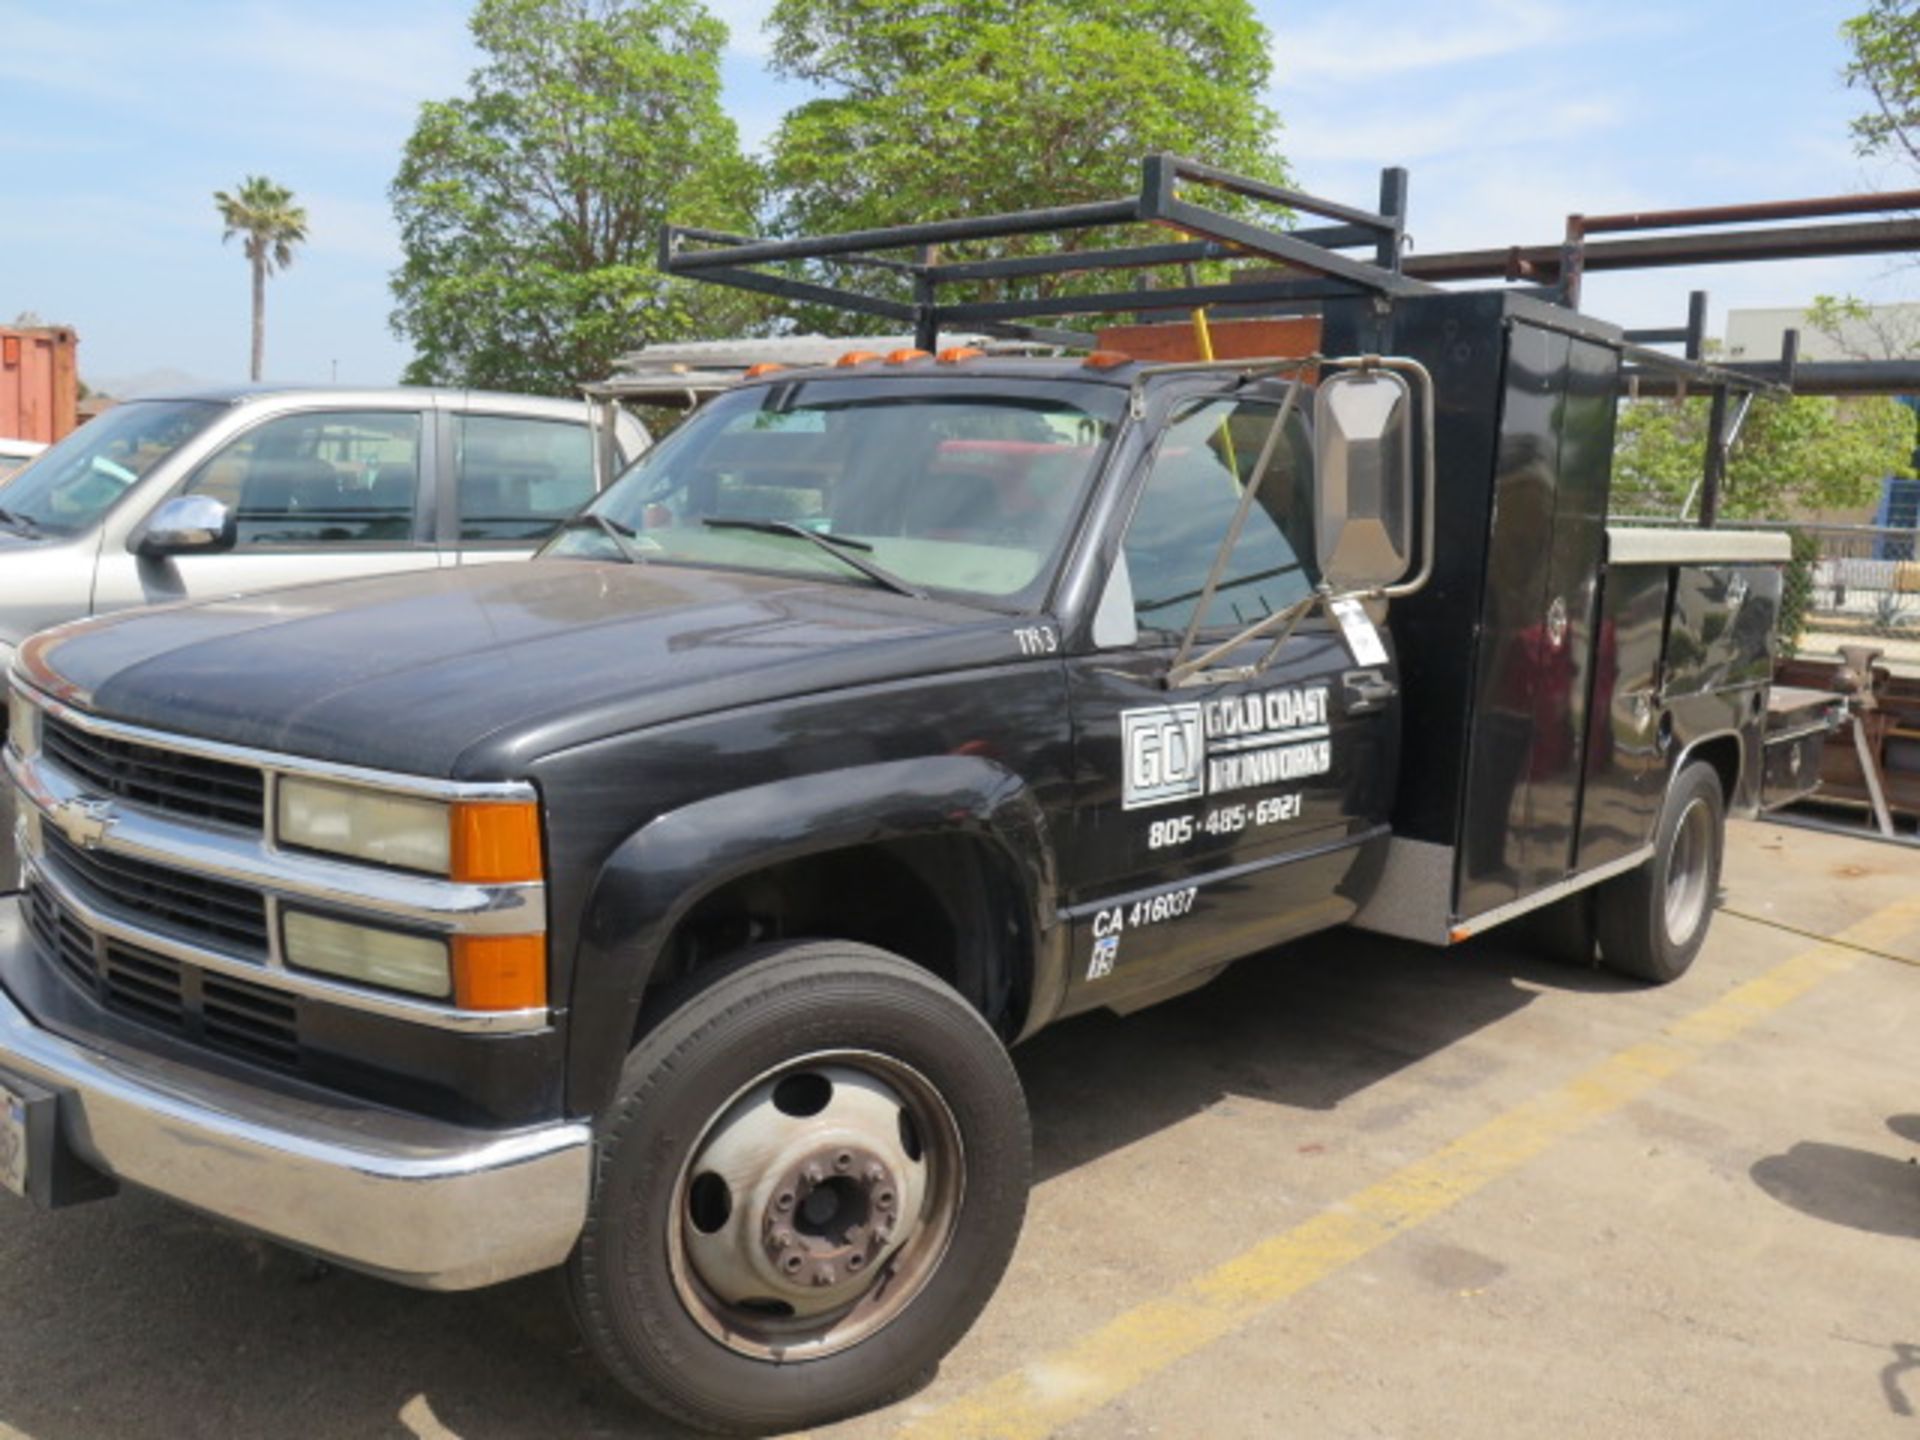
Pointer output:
1689, 873
831, 1216
798, 1203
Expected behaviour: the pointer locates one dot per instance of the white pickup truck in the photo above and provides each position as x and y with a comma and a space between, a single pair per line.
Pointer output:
218, 492
305, 484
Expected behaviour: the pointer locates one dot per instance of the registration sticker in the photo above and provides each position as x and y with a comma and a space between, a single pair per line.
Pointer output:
1363, 639
13, 1143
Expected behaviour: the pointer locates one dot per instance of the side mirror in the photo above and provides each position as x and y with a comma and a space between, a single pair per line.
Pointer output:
189, 525
1363, 478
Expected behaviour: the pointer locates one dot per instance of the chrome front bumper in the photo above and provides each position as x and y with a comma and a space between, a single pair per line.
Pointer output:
412, 1200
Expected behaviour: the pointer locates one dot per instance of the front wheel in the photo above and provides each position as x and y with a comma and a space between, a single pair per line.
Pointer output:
1652, 921
810, 1183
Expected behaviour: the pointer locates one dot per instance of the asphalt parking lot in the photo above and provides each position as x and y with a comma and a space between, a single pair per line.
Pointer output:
1355, 1188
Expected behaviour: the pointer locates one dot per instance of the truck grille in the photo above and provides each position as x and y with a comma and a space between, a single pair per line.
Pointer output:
198, 907
158, 779
217, 1010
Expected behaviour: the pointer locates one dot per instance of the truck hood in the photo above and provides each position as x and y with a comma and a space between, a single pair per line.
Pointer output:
473, 673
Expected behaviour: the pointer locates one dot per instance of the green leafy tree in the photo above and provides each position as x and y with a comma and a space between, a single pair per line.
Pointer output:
269, 225
1885, 45
1794, 455
932, 109
1865, 332
530, 208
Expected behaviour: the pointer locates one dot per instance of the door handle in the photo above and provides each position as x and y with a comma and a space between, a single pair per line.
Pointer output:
1366, 690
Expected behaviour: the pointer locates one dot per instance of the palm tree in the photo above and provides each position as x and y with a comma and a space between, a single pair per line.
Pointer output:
264, 214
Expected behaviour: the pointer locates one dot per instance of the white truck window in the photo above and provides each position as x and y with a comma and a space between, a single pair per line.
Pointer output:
519, 478
332, 477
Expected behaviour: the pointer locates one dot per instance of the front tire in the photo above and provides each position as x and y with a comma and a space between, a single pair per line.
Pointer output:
808, 1186
1652, 921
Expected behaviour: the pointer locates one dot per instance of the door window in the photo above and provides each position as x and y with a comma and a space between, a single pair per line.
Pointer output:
1204, 463
520, 478
332, 478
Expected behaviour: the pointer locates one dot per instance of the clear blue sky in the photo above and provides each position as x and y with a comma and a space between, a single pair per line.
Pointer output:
123, 116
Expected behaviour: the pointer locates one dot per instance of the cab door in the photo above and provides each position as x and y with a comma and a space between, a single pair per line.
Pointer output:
316, 495
1214, 820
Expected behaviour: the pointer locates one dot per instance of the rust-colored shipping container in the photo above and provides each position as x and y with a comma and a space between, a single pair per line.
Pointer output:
39, 382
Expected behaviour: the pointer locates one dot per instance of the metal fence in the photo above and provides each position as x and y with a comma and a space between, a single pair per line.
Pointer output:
1847, 584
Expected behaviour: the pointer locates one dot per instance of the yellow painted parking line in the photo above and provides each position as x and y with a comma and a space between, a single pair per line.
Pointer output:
1074, 1381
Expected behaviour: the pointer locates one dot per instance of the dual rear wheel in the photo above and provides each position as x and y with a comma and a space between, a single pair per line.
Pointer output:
1650, 922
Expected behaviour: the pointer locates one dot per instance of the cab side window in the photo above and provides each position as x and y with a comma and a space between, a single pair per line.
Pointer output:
328, 478
519, 478
1204, 463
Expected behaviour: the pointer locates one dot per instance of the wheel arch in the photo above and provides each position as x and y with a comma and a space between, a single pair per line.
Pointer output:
1725, 751
946, 861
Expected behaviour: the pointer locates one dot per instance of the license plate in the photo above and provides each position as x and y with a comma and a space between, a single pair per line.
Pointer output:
13, 1142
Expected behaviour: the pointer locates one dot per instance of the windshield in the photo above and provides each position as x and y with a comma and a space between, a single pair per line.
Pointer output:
69, 487
962, 490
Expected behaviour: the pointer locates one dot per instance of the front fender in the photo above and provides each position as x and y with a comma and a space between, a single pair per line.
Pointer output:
659, 873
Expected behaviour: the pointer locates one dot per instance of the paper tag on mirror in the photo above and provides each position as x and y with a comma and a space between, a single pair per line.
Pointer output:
1363, 639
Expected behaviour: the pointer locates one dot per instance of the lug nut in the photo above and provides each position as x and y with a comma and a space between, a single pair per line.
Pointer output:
824, 1275
875, 1175
813, 1174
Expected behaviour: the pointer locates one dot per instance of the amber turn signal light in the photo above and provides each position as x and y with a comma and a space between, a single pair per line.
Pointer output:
765, 367
497, 843
903, 357
857, 357
500, 972
954, 354
1107, 360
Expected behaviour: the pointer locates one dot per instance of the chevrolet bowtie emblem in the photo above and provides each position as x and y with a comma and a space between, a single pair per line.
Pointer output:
83, 820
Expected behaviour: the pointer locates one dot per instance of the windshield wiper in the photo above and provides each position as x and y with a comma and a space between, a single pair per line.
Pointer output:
622, 536
841, 547
25, 524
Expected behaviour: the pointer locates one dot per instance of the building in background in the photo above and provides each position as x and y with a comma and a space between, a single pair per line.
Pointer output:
1885, 332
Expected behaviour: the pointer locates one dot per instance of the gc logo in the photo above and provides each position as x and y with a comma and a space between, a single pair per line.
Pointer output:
1164, 751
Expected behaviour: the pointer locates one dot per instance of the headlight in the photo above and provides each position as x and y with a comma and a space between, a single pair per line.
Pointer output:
23, 726
397, 830
414, 963
477, 842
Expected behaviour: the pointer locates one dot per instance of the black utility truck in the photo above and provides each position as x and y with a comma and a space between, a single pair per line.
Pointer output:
663, 909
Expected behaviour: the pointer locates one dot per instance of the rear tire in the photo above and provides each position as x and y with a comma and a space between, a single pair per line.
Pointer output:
1653, 920
808, 1186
